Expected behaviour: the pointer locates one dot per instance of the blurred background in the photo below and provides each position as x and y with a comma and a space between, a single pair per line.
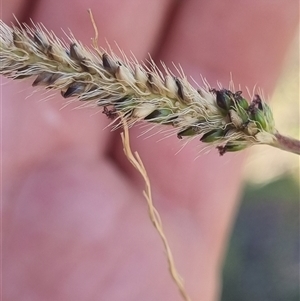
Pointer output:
262, 261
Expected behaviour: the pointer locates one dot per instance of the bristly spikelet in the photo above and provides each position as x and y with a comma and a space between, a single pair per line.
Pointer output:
135, 91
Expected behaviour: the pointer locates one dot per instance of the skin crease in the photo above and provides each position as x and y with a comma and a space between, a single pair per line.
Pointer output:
75, 225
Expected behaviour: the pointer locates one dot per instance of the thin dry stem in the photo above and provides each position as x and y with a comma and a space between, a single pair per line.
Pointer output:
95, 39
136, 161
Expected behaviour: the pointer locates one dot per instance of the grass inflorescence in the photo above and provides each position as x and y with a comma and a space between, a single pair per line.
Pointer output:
138, 91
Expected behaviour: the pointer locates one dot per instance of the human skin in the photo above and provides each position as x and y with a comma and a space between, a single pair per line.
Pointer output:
75, 224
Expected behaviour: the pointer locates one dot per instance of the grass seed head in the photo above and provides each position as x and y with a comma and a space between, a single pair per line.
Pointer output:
136, 91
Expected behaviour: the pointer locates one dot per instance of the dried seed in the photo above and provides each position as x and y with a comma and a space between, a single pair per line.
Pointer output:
43, 79
19, 41
49, 53
251, 128
110, 113
255, 104
74, 89
179, 88
58, 55
108, 64
155, 83
55, 77
258, 101
213, 135
236, 119
123, 74
171, 86
158, 115
41, 41
223, 100
232, 147
143, 110
22, 76
140, 76
190, 131
74, 53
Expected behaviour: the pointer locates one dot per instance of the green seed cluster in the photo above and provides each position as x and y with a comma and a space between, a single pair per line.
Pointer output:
248, 118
